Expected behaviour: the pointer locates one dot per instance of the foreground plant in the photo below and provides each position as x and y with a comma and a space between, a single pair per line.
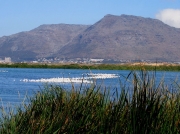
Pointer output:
142, 106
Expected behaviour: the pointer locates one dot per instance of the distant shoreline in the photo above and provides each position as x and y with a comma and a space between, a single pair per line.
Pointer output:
124, 66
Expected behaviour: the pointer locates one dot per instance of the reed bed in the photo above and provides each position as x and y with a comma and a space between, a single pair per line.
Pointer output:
141, 106
127, 66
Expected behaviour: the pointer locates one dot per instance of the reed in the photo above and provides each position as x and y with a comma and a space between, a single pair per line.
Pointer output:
141, 106
162, 67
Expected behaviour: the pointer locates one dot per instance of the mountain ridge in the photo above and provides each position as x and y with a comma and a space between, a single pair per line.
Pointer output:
40, 42
127, 35
124, 37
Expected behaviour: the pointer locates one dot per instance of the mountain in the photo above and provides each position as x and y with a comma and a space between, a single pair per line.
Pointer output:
123, 37
40, 42
126, 37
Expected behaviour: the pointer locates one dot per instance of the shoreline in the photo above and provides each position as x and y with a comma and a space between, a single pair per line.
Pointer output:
122, 66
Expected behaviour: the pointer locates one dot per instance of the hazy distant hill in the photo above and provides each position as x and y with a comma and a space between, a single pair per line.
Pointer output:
39, 42
123, 37
126, 37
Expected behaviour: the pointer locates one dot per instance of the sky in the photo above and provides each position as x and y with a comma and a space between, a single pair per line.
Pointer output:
24, 15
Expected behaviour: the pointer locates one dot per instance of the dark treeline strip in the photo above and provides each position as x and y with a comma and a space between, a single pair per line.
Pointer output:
94, 66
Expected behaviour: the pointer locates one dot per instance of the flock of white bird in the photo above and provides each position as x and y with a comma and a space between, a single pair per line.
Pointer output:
87, 79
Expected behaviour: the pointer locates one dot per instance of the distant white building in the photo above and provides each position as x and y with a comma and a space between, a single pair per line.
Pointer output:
96, 60
7, 60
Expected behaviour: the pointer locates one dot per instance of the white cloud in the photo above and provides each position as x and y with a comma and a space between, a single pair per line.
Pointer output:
170, 17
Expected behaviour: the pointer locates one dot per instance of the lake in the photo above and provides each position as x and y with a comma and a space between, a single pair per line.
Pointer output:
16, 83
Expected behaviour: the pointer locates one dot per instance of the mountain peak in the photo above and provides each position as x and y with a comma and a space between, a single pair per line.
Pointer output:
120, 37
110, 15
126, 37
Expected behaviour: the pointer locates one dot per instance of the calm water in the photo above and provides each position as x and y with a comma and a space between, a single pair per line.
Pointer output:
15, 84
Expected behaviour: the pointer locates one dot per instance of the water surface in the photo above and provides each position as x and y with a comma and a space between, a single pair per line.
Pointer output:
16, 83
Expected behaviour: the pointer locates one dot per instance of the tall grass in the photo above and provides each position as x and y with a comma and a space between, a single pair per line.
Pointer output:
144, 106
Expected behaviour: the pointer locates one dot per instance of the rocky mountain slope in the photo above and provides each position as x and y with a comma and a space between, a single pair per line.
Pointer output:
40, 42
128, 38
122, 37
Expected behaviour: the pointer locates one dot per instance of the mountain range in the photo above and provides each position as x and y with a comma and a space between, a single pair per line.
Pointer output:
123, 37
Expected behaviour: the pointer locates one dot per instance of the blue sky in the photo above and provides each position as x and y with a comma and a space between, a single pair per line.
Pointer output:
24, 15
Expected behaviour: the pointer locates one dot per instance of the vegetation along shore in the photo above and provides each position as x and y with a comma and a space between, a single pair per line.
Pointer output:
126, 66
141, 106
